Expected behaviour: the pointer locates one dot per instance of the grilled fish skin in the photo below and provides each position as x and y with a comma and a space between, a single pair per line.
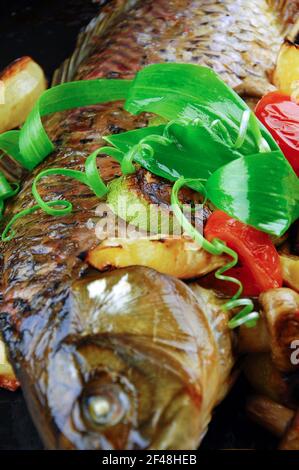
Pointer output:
43, 263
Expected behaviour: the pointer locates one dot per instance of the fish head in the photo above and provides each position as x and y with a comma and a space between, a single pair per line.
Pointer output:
126, 371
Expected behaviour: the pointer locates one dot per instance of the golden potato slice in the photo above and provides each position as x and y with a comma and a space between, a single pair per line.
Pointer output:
21, 83
286, 75
177, 257
7, 376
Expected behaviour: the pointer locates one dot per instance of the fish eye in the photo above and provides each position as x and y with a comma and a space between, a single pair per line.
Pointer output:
105, 405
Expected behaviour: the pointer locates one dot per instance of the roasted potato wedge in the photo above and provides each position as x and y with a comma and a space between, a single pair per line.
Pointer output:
21, 83
286, 75
177, 257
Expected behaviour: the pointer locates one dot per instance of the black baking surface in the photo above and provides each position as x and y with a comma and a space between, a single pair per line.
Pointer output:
47, 30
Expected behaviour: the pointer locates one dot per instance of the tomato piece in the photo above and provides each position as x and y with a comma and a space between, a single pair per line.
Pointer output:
242, 273
259, 267
280, 115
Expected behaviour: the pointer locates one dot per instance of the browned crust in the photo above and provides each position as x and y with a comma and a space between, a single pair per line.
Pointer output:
10, 383
156, 190
15, 67
289, 43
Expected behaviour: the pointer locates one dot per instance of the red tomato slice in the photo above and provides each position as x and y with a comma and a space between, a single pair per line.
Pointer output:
259, 266
280, 114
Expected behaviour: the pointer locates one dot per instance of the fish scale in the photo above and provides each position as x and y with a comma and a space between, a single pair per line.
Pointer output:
141, 340
239, 39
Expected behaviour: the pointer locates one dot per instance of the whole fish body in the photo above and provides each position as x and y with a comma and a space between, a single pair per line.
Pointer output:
130, 358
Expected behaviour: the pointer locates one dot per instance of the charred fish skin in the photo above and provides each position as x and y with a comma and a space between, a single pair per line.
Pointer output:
42, 264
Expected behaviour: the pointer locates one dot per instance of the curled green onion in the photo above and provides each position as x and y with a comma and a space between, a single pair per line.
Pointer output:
184, 122
9, 233
262, 144
6, 190
243, 129
217, 247
184, 222
9, 143
67, 206
32, 144
90, 177
112, 152
35, 144
127, 166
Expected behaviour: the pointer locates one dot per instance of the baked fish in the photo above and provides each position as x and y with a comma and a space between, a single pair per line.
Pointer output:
130, 358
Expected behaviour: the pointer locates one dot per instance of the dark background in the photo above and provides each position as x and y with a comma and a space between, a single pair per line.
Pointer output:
47, 31
44, 29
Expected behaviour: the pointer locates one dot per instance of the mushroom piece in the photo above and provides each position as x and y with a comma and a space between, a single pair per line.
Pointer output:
277, 330
280, 309
271, 415
290, 440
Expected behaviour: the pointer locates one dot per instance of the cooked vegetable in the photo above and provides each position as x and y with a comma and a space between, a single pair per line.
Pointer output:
181, 153
280, 114
216, 246
190, 92
291, 438
130, 201
290, 270
22, 81
143, 200
280, 310
214, 132
271, 415
254, 340
266, 379
268, 199
176, 257
286, 75
6, 190
261, 190
259, 266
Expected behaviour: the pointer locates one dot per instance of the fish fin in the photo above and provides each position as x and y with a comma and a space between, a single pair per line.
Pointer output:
108, 15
